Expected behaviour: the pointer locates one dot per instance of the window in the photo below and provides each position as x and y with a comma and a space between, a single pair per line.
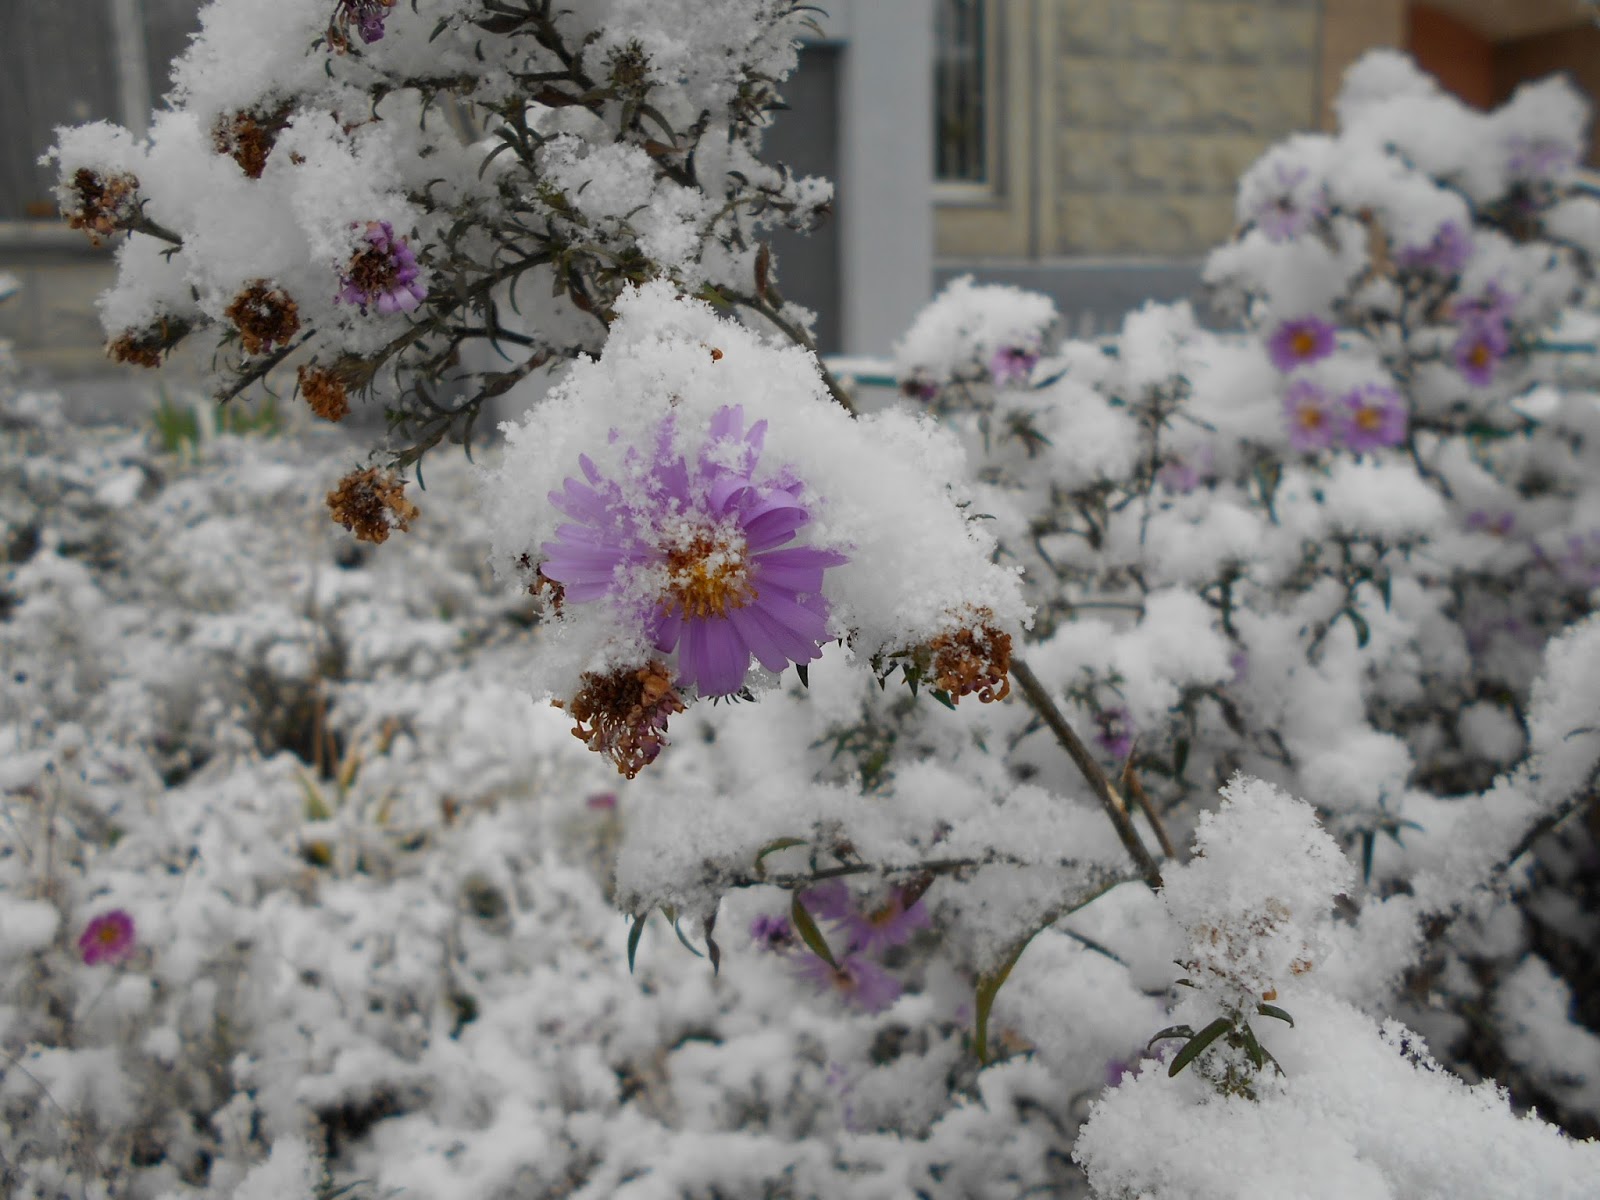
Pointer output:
962, 135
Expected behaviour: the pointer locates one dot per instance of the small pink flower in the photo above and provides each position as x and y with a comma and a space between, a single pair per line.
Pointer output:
859, 982
1299, 342
108, 938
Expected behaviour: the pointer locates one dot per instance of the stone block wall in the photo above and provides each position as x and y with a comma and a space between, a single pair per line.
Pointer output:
1161, 104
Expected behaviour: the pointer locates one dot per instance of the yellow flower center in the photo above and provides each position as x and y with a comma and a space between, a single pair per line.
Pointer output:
1369, 419
708, 576
1303, 343
1311, 417
110, 935
1478, 356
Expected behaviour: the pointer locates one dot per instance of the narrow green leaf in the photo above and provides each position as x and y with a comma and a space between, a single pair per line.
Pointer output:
989, 986
1363, 630
809, 933
943, 698
1171, 1031
634, 935
803, 670
713, 951
1198, 1043
1272, 1010
687, 944
773, 847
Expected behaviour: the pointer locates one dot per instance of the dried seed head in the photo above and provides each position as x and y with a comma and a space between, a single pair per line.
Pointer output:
976, 659
623, 716
264, 315
100, 204
324, 392
369, 504
248, 137
144, 347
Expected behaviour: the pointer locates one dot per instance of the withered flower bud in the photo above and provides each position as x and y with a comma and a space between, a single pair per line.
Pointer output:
264, 315
248, 137
976, 659
101, 204
324, 392
623, 716
144, 347
370, 503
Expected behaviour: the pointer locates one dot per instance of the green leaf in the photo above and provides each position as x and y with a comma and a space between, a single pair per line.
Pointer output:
809, 933
713, 951
943, 698
1363, 630
1171, 1031
1272, 1010
989, 985
1198, 1043
773, 847
1180, 757
687, 944
803, 670
634, 935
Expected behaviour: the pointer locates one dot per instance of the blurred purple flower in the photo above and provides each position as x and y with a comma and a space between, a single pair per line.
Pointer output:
734, 587
1311, 417
108, 938
383, 274
1479, 349
1240, 662
1579, 562
1299, 342
1114, 732
920, 387
1538, 160
1291, 209
890, 924
859, 982
1446, 254
830, 901
1500, 524
1375, 418
1012, 366
601, 802
1178, 475
773, 933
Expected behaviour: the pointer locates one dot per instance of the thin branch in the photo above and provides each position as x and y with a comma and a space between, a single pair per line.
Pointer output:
1543, 826
942, 866
1039, 700
1131, 785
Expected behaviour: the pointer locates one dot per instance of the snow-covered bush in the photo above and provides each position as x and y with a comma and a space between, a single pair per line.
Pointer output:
347, 885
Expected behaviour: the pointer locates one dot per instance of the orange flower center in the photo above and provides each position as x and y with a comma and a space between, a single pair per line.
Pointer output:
1311, 417
1303, 343
1478, 356
1368, 420
708, 576
110, 935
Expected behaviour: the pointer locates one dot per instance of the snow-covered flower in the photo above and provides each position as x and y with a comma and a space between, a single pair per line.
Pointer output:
773, 932
700, 554
1293, 204
1012, 366
1114, 732
1445, 254
1310, 411
1479, 349
891, 923
1300, 341
1375, 417
367, 16
108, 938
383, 274
857, 981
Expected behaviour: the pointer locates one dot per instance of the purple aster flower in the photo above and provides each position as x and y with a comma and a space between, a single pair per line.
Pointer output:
1182, 473
1291, 208
108, 938
1375, 417
1538, 160
1300, 341
383, 274
859, 982
1240, 662
1479, 349
1311, 417
700, 554
367, 16
890, 924
1114, 732
1579, 563
1012, 366
1499, 524
920, 387
773, 933
1446, 254
831, 901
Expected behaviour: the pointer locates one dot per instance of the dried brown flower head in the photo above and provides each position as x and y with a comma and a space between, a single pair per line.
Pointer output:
265, 316
976, 659
324, 392
623, 716
102, 204
370, 503
144, 347
248, 137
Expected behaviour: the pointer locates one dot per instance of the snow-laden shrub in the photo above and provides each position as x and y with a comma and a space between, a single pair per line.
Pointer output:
355, 922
